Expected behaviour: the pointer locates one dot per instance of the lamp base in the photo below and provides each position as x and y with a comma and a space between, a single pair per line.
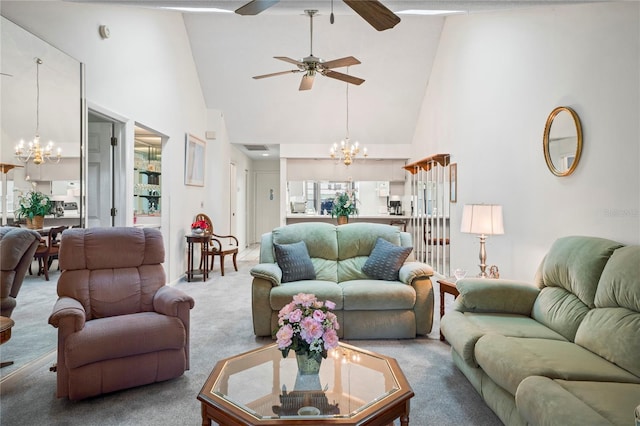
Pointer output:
483, 257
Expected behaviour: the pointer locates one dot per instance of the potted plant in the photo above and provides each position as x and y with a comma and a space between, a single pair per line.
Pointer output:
344, 205
33, 206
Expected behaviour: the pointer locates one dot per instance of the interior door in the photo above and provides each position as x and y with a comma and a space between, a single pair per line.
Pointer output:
267, 202
99, 174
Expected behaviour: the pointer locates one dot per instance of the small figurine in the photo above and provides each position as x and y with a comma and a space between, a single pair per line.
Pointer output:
493, 272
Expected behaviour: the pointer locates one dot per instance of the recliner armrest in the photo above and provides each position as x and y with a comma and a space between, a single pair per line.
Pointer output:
491, 295
412, 270
69, 309
268, 271
167, 300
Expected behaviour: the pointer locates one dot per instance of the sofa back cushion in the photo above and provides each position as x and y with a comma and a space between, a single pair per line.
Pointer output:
568, 278
356, 242
111, 271
338, 253
320, 239
612, 329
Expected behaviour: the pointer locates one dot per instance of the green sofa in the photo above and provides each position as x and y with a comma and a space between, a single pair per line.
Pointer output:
366, 308
565, 351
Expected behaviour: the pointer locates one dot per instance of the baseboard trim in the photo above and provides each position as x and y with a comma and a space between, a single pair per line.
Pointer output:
17, 377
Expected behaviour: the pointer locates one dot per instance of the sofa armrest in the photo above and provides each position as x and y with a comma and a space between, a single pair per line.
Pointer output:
268, 271
490, 295
414, 270
68, 315
418, 275
167, 301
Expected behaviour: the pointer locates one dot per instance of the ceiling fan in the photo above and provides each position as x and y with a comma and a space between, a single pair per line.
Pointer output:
312, 65
372, 11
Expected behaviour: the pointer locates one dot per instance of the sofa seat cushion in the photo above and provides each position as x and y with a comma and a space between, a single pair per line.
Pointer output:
374, 295
509, 360
122, 336
543, 401
463, 330
324, 290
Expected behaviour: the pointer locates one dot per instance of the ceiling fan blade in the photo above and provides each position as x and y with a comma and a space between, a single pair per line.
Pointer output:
291, 61
342, 62
258, 77
307, 82
255, 6
375, 13
343, 77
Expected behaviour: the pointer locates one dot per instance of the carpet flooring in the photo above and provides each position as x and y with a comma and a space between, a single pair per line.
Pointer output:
220, 327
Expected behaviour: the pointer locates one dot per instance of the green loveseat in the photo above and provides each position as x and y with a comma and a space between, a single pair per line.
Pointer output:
366, 308
565, 351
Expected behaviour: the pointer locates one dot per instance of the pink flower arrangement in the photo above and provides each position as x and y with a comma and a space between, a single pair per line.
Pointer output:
202, 224
307, 325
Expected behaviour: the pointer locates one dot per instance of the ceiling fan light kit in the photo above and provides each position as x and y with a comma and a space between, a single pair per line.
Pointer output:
311, 65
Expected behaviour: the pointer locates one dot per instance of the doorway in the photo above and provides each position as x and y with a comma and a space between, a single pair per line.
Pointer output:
105, 177
147, 177
267, 200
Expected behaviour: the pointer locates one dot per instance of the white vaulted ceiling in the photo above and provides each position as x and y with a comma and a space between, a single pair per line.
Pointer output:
229, 49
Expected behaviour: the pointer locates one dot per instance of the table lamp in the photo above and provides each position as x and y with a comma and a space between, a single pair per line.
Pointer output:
482, 219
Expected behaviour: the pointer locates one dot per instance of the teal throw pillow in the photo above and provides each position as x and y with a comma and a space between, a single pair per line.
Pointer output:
294, 261
385, 260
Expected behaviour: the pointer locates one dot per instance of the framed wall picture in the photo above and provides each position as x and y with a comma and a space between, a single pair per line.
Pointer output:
194, 161
453, 182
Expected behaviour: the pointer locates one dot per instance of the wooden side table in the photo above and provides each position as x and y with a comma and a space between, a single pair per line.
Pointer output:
204, 240
448, 287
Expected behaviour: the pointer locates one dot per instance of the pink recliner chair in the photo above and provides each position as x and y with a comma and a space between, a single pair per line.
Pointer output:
17, 246
119, 325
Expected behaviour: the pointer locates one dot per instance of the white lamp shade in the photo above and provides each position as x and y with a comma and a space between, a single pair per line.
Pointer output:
482, 219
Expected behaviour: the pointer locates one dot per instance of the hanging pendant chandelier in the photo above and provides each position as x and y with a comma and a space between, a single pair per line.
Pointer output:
347, 151
25, 152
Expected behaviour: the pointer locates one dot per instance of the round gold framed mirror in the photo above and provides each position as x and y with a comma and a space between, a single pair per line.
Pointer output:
562, 141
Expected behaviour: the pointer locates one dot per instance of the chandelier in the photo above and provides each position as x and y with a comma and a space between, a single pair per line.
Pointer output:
347, 151
33, 149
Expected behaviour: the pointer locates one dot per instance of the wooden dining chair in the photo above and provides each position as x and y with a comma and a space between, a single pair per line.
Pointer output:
220, 245
48, 250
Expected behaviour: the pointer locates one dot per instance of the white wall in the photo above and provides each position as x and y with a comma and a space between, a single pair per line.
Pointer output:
496, 78
144, 72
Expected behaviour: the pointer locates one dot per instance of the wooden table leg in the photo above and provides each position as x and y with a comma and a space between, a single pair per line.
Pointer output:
404, 418
441, 312
189, 261
205, 264
206, 421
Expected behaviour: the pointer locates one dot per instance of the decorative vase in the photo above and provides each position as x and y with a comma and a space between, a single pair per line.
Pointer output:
308, 364
198, 231
36, 223
342, 220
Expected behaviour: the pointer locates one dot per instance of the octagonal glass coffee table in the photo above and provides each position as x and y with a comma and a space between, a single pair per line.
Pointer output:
260, 387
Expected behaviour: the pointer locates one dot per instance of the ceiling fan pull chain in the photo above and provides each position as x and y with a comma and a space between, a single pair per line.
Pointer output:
331, 17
